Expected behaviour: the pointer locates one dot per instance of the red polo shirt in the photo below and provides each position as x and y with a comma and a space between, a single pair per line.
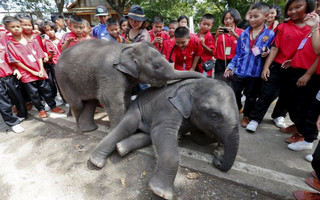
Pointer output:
28, 55
183, 58
5, 69
287, 39
51, 47
230, 41
65, 37
162, 34
205, 56
167, 48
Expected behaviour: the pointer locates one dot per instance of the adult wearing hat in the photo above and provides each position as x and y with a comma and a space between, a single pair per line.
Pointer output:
101, 29
137, 31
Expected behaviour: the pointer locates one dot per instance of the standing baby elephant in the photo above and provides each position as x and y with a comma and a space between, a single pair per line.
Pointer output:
95, 70
203, 107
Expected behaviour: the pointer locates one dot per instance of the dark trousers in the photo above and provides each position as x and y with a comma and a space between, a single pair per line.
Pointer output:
316, 160
269, 92
301, 103
49, 67
5, 103
251, 87
40, 89
219, 69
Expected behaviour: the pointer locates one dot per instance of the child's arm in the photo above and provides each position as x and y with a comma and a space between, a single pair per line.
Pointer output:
22, 66
266, 72
303, 80
41, 72
312, 20
67, 43
195, 63
205, 47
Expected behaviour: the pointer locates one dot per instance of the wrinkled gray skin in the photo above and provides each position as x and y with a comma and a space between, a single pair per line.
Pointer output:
96, 70
205, 107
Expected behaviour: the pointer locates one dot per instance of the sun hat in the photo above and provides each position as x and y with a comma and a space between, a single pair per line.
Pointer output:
136, 13
101, 11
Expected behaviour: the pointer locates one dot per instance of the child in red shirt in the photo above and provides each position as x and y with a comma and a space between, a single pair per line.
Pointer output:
187, 51
169, 44
207, 43
113, 29
123, 26
87, 30
75, 36
9, 88
51, 45
27, 57
157, 36
226, 40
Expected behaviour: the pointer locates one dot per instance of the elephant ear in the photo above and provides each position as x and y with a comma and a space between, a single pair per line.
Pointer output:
126, 62
182, 101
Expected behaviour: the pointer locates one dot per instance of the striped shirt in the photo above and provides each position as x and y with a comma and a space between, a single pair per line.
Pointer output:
245, 62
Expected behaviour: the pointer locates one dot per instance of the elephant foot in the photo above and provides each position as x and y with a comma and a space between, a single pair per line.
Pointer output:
161, 189
121, 149
98, 159
88, 127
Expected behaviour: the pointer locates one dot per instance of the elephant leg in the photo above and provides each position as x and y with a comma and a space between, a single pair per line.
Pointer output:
166, 146
201, 139
86, 117
115, 107
128, 125
136, 141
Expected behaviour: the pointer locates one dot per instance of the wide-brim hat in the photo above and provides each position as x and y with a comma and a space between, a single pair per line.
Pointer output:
136, 13
101, 11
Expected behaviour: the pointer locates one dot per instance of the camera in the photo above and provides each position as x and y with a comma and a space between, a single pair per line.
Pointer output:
224, 30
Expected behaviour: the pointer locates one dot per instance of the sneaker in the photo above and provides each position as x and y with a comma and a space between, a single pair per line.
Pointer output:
21, 119
294, 138
46, 107
58, 102
309, 158
252, 126
133, 97
290, 129
301, 145
43, 114
57, 110
17, 128
279, 122
245, 121
67, 105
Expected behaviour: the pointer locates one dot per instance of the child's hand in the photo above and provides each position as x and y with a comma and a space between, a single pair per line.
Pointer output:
303, 80
71, 39
157, 40
312, 20
41, 74
46, 59
265, 74
265, 52
17, 73
228, 73
202, 40
286, 64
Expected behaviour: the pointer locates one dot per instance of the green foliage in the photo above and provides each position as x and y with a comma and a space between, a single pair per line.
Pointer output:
36, 7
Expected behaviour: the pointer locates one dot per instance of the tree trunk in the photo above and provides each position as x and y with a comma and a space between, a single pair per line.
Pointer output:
60, 4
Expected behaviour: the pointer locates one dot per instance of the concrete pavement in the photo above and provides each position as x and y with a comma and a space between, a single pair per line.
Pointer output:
264, 163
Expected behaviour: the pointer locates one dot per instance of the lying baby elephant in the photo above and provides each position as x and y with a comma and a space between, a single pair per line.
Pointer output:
200, 106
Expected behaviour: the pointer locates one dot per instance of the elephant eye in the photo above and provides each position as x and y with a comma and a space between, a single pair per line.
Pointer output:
156, 67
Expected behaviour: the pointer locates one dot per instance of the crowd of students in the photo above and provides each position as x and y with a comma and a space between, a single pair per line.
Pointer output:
261, 59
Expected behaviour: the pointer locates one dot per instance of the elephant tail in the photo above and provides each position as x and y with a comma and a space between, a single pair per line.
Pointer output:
231, 146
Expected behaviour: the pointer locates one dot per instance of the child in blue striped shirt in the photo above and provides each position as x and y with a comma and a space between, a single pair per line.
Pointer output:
246, 66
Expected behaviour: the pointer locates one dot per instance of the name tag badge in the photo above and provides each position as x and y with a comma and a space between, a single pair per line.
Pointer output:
228, 51
31, 58
303, 42
256, 51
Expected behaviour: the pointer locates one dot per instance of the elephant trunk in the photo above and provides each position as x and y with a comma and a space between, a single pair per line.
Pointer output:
231, 145
184, 75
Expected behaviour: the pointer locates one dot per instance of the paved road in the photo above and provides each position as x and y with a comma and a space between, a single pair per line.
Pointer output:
264, 165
